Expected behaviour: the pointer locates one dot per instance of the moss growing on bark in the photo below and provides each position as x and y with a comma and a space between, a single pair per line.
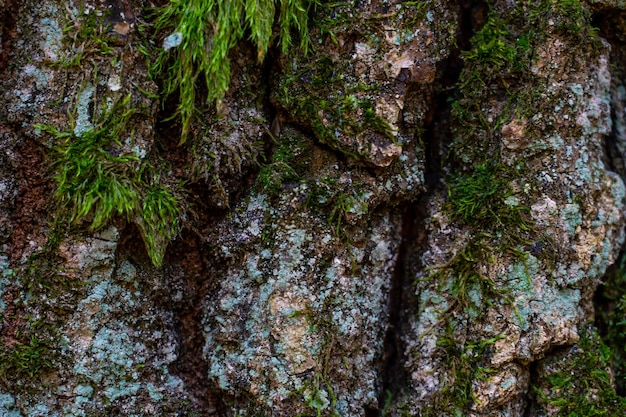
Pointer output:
466, 364
611, 316
580, 385
98, 179
203, 32
316, 94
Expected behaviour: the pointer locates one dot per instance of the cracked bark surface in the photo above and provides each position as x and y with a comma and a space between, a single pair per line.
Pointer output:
321, 268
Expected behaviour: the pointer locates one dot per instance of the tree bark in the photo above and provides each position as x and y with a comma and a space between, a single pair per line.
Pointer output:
413, 218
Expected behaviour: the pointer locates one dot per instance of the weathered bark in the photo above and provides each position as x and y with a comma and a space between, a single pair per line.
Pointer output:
412, 219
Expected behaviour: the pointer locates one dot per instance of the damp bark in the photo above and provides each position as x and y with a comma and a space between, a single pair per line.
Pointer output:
608, 313
291, 289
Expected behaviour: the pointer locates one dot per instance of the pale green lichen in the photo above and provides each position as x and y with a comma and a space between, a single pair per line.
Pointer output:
7, 276
83, 114
7, 406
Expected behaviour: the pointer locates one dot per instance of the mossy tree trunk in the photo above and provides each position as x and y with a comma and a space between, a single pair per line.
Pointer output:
376, 208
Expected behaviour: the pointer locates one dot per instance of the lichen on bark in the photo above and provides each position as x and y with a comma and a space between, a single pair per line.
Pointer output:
410, 219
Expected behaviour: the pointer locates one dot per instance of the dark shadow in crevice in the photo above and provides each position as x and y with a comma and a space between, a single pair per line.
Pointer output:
607, 317
393, 374
530, 411
434, 133
8, 17
610, 23
179, 287
188, 275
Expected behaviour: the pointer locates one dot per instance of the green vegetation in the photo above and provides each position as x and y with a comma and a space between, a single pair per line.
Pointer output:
488, 196
98, 178
286, 165
611, 316
93, 177
465, 361
315, 93
32, 357
320, 397
492, 47
159, 220
86, 35
498, 66
485, 201
289, 167
203, 32
572, 19
582, 386
482, 198
496, 61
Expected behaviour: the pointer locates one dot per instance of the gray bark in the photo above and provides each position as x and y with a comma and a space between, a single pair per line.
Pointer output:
323, 266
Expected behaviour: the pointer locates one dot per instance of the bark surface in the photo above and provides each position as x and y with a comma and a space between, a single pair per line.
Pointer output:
411, 219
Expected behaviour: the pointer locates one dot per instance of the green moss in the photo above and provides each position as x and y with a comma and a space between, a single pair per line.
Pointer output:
203, 32
611, 314
480, 198
314, 93
498, 64
466, 363
160, 219
98, 180
495, 85
86, 34
580, 385
492, 46
572, 19
343, 205
320, 397
31, 358
93, 177
36, 352
288, 163
485, 201
290, 168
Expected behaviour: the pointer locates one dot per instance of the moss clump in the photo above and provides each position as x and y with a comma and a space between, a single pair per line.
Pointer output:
572, 19
481, 197
611, 318
86, 34
292, 166
203, 32
577, 383
315, 93
492, 46
483, 200
35, 351
497, 66
29, 358
466, 364
93, 177
159, 219
98, 179
287, 165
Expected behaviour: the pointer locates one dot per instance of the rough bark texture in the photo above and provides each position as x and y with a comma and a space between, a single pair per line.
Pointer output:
412, 219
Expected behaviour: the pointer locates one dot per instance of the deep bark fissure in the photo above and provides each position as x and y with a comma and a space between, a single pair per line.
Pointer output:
607, 22
529, 410
8, 13
191, 365
187, 260
393, 374
402, 300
